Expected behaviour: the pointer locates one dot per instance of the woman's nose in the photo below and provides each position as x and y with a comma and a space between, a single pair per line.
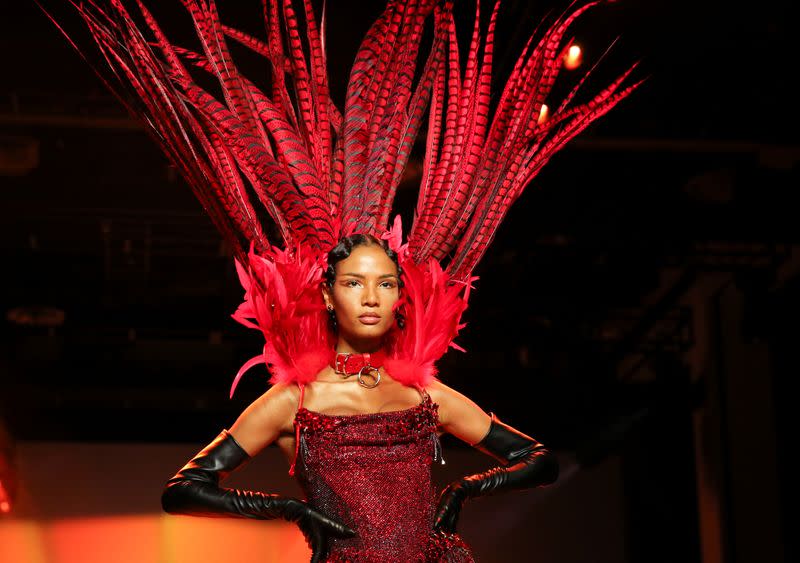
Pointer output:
370, 296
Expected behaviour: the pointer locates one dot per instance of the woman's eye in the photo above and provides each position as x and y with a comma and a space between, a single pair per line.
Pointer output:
354, 283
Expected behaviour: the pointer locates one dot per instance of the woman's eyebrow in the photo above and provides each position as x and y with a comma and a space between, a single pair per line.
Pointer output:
355, 275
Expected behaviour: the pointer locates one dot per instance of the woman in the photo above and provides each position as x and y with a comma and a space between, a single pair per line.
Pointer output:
357, 459
363, 285
345, 403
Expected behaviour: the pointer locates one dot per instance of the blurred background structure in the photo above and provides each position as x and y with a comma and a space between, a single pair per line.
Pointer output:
642, 298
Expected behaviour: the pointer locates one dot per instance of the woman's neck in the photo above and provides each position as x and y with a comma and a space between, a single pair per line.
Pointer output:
345, 347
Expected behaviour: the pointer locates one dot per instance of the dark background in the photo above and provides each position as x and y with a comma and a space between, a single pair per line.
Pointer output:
601, 322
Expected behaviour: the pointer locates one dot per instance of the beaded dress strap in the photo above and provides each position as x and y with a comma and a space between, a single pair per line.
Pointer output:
438, 452
297, 429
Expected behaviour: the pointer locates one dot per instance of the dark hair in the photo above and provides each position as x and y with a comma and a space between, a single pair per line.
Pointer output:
346, 246
343, 250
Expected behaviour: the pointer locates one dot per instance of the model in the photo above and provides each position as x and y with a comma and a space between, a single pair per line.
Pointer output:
353, 317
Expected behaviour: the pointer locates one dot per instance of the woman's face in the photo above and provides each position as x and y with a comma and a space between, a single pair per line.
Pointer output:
363, 293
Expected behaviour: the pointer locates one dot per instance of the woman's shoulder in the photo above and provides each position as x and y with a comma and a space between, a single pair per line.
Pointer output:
265, 419
279, 398
454, 405
440, 392
443, 395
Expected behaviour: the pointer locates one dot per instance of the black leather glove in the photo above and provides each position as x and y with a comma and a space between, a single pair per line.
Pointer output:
195, 490
527, 464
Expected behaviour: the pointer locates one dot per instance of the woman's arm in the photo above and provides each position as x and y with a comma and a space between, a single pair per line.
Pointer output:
525, 462
459, 415
266, 418
195, 489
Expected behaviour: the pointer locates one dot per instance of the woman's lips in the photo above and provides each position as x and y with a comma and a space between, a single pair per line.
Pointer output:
369, 319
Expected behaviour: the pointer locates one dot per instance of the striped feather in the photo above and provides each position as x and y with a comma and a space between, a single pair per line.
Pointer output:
321, 174
478, 164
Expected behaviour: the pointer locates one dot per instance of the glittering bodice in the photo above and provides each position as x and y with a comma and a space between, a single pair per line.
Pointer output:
372, 472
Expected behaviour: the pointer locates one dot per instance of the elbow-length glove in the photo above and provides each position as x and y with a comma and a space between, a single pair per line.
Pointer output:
195, 490
526, 464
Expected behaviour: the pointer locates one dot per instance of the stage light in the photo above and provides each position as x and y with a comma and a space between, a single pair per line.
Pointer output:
544, 113
573, 57
8, 478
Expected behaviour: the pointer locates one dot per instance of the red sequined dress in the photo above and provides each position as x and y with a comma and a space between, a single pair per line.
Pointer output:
372, 472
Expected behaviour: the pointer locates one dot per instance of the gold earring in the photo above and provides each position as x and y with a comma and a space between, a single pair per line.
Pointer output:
330, 308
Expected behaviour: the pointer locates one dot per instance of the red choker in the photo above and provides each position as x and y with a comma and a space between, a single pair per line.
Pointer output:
362, 365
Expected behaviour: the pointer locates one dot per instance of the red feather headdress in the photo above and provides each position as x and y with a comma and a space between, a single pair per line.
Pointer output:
321, 174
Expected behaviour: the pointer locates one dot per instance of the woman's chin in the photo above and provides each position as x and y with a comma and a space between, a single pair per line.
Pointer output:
368, 332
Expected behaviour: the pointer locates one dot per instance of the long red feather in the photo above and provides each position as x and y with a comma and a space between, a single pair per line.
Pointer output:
321, 174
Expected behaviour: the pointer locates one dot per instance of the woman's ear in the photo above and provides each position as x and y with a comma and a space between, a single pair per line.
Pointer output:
326, 296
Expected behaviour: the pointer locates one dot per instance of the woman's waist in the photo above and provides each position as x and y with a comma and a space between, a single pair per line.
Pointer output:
344, 475
370, 492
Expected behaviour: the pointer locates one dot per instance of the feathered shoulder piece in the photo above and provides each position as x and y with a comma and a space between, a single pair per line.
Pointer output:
433, 304
283, 300
320, 173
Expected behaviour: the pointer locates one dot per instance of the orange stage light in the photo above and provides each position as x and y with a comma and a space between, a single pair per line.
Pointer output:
573, 57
